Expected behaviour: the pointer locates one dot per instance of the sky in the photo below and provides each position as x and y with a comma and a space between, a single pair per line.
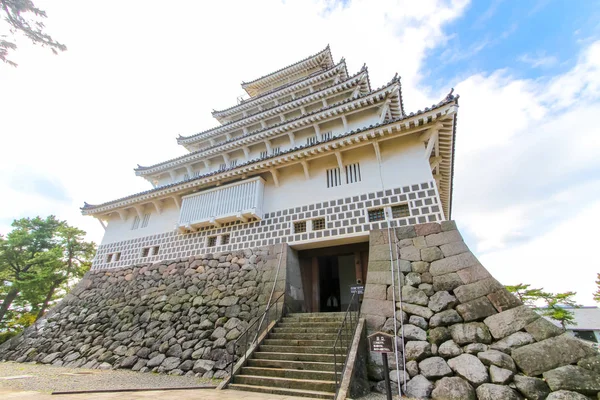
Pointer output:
139, 73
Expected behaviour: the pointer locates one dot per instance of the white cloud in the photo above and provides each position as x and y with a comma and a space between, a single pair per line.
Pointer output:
538, 60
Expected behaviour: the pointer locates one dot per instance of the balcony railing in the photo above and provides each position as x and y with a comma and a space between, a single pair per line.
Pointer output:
238, 201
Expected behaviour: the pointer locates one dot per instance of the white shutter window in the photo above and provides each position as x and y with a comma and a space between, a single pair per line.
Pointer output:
136, 223
145, 220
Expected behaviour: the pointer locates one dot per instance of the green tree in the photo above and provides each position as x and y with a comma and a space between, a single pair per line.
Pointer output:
22, 252
556, 306
22, 16
528, 296
597, 292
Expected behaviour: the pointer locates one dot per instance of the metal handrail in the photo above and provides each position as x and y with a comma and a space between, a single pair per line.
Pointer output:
264, 317
345, 337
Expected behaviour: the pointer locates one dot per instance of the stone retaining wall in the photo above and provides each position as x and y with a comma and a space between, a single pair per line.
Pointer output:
465, 335
178, 317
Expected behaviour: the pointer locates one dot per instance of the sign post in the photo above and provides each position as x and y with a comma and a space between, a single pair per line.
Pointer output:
381, 342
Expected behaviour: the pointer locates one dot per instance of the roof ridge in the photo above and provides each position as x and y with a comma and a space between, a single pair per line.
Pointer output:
288, 66
274, 126
342, 62
296, 148
278, 105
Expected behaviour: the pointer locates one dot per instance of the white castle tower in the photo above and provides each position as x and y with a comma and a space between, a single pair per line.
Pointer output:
315, 158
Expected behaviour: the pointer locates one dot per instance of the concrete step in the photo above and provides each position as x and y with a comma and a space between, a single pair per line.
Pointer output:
297, 365
299, 329
286, 383
289, 373
303, 336
299, 342
281, 391
317, 314
329, 358
312, 319
298, 349
299, 324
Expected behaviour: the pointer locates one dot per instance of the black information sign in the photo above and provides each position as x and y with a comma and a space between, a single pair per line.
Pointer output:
358, 289
381, 342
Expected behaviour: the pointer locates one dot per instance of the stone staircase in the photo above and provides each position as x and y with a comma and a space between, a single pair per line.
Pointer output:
296, 359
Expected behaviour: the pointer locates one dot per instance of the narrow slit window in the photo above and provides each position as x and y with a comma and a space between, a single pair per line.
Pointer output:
186, 177
264, 154
300, 227
353, 173
225, 239
212, 241
311, 140
326, 136
232, 163
276, 150
136, 223
334, 177
145, 220
376, 214
318, 224
222, 166
400, 211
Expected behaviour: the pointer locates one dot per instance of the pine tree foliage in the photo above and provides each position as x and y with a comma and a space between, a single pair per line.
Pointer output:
23, 17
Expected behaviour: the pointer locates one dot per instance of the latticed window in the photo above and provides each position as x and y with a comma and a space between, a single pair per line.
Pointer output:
222, 166
276, 150
212, 241
400, 211
155, 250
233, 163
318, 224
353, 173
263, 154
145, 220
326, 136
136, 223
145, 251
117, 257
300, 227
376, 214
109, 258
334, 178
225, 239
311, 140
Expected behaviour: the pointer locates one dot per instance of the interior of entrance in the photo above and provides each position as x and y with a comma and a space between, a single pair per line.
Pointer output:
328, 273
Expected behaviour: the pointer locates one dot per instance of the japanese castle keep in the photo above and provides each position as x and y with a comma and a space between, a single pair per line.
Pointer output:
317, 213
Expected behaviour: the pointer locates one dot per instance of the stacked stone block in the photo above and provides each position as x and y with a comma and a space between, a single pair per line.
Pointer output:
464, 335
177, 317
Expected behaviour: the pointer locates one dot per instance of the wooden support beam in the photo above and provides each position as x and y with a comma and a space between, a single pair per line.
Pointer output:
434, 162
345, 122
101, 223
211, 141
206, 163
177, 201
122, 214
292, 139
245, 130
246, 152
275, 176
225, 157
214, 222
268, 146
281, 118
377, 151
190, 170
158, 205
317, 129
241, 217
432, 141
324, 101
384, 111
306, 170
316, 303
172, 175
139, 211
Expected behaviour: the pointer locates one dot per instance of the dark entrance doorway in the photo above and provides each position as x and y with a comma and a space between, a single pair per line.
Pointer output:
328, 273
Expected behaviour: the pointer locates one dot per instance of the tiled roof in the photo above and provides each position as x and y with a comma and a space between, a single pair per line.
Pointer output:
260, 96
181, 138
392, 82
325, 50
449, 99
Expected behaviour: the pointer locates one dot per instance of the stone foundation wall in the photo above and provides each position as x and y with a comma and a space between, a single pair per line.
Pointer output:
465, 335
177, 317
